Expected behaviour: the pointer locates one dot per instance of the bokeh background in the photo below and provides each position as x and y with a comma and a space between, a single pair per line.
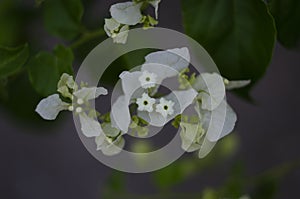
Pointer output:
47, 159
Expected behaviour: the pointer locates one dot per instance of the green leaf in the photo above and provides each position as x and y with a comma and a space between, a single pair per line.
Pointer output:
63, 17
12, 60
287, 17
114, 186
45, 69
238, 34
12, 22
175, 173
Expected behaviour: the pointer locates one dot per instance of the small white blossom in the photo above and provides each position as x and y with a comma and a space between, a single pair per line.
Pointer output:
165, 107
182, 100
79, 110
147, 79
145, 103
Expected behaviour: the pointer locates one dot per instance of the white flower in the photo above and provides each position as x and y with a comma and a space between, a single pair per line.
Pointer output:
128, 13
145, 103
116, 31
164, 64
182, 100
148, 80
50, 107
165, 107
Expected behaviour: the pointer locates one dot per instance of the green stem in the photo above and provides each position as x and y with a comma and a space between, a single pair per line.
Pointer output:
86, 37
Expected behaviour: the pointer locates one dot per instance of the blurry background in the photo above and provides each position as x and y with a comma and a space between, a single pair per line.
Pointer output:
47, 159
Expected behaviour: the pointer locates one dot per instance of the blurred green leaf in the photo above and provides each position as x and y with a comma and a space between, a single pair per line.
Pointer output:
266, 184
12, 60
209, 194
11, 23
238, 34
287, 17
63, 17
235, 185
45, 69
185, 168
266, 188
114, 186
175, 173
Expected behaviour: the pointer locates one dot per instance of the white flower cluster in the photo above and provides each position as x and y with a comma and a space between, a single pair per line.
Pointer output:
206, 92
129, 14
108, 139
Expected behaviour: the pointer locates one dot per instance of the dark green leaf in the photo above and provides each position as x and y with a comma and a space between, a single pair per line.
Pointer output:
12, 21
287, 17
63, 17
45, 69
12, 60
238, 34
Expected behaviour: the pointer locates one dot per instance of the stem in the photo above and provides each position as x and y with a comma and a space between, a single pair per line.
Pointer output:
86, 37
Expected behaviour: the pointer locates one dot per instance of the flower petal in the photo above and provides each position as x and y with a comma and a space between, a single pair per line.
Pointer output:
49, 107
112, 148
206, 147
128, 13
109, 130
130, 82
236, 84
190, 135
211, 88
219, 122
121, 37
177, 58
120, 115
110, 26
90, 93
184, 97
89, 126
